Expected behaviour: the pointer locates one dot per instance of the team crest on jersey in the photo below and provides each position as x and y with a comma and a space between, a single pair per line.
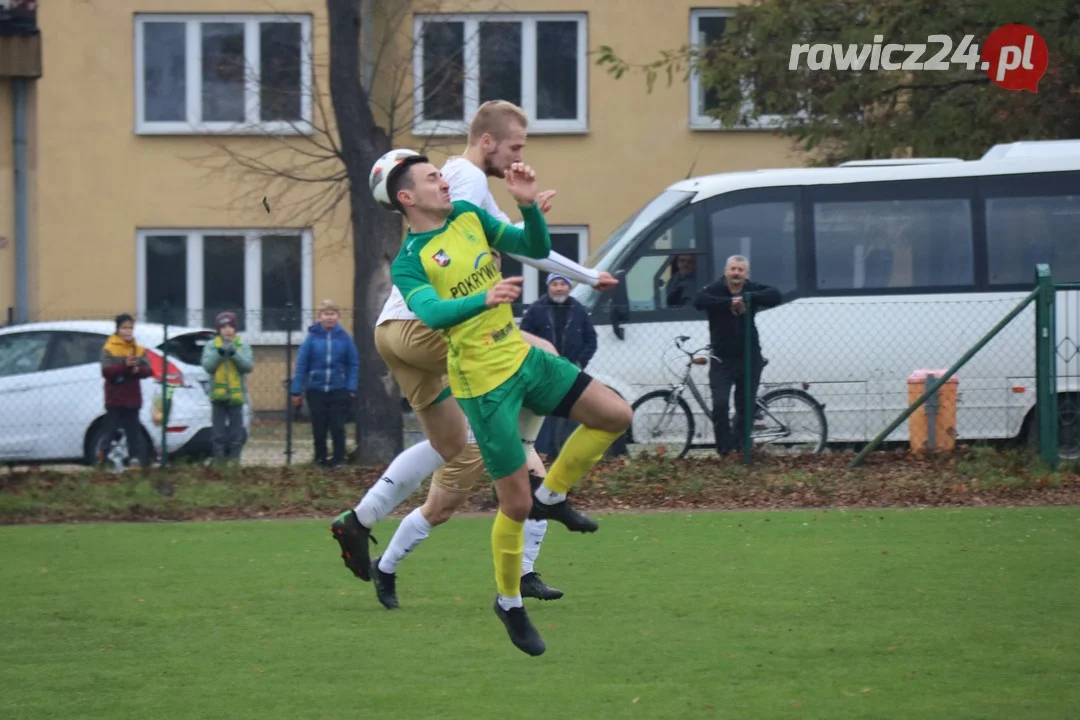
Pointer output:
442, 258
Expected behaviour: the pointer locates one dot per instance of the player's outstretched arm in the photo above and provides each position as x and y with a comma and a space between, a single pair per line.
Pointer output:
560, 265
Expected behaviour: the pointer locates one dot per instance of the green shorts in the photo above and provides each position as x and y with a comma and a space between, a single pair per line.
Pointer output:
546, 384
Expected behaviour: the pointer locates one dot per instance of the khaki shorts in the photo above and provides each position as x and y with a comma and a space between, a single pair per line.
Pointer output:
416, 356
463, 473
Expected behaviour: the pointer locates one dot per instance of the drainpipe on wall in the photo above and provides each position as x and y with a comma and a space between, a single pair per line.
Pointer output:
19, 91
367, 49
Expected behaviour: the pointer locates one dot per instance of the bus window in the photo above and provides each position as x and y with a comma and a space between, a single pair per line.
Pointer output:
1024, 231
661, 276
893, 244
763, 233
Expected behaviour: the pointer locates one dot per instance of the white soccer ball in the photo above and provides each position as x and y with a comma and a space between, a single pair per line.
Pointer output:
380, 175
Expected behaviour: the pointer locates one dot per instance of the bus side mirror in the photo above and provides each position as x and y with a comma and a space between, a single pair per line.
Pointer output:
619, 307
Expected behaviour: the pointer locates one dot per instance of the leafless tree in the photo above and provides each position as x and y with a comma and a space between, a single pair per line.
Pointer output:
302, 170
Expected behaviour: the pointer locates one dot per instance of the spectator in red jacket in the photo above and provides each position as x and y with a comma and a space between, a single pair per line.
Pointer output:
123, 365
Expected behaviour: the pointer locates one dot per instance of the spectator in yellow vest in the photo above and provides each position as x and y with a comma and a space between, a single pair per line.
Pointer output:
228, 359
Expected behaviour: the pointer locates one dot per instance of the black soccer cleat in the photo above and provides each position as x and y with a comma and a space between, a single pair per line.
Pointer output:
385, 586
532, 586
353, 539
563, 512
521, 630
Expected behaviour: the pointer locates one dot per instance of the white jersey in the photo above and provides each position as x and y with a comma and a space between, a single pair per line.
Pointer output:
468, 182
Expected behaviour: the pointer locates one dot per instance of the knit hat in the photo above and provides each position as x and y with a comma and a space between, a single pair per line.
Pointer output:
225, 318
555, 276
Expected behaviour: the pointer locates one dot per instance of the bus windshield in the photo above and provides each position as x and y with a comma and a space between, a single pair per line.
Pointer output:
644, 217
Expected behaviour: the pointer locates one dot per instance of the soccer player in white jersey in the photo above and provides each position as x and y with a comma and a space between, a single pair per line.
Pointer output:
416, 355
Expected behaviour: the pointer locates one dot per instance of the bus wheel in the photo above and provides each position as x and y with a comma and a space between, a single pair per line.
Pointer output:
1068, 427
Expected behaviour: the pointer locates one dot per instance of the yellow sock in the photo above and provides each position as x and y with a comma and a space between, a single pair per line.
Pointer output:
508, 546
580, 452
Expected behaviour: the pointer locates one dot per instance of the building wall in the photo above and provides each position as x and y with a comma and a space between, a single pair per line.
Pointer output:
7, 196
637, 142
99, 181
7, 203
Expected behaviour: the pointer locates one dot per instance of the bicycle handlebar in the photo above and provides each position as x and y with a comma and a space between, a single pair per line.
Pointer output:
692, 353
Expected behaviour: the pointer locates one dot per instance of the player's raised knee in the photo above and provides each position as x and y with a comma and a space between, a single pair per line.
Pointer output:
436, 513
515, 496
616, 414
622, 414
601, 408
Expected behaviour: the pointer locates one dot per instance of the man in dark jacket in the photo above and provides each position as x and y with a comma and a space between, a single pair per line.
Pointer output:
724, 303
565, 323
123, 365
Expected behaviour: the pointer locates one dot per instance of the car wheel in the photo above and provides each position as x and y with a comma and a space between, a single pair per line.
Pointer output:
103, 451
100, 447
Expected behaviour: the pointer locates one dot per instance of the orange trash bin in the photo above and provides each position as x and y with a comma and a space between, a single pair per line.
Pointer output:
941, 407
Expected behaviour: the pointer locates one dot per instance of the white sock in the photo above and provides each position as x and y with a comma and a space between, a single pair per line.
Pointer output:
529, 424
412, 531
548, 497
400, 480
506, 603
534, 536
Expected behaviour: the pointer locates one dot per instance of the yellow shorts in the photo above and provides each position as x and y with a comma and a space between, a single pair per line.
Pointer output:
416, 356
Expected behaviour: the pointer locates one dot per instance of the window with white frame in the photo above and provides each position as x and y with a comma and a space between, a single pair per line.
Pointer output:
264, 276
222, 73
570, 241
707, 26
536, 61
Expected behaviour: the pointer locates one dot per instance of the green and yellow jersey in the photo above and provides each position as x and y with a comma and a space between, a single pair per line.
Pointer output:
444, 276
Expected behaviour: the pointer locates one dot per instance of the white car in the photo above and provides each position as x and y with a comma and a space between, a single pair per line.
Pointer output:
52, 394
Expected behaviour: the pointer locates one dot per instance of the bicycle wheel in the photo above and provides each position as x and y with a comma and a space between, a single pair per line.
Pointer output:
790, 421
662, 424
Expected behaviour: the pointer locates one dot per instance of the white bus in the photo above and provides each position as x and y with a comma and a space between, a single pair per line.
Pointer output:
886, 268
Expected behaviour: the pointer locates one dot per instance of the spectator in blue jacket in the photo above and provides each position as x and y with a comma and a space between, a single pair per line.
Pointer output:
565, 323
328, 368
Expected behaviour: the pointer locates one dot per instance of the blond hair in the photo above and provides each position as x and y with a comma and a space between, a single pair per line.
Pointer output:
493, 118
329, 305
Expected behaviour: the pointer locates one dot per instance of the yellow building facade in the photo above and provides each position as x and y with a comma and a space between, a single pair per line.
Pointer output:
148, 141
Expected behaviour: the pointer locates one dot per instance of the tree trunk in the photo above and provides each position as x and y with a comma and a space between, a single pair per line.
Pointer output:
376, 235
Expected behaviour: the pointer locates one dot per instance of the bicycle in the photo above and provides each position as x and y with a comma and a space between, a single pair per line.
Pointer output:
664, 418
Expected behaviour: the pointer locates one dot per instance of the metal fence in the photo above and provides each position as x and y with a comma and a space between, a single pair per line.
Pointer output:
843, 373
52, 393
839, 373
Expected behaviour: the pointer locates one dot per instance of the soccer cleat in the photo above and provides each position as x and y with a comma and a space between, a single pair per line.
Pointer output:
521, 630
532, 586
561, 512
353, 539
385, 586
564, 513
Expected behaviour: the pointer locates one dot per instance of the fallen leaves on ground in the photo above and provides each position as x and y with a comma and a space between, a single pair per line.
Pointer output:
969, 476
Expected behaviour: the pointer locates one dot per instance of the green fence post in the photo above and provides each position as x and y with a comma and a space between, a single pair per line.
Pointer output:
165, 386
748, 385
1046, 366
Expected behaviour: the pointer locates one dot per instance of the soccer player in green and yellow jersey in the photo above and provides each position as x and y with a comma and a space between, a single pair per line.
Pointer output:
448, 278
